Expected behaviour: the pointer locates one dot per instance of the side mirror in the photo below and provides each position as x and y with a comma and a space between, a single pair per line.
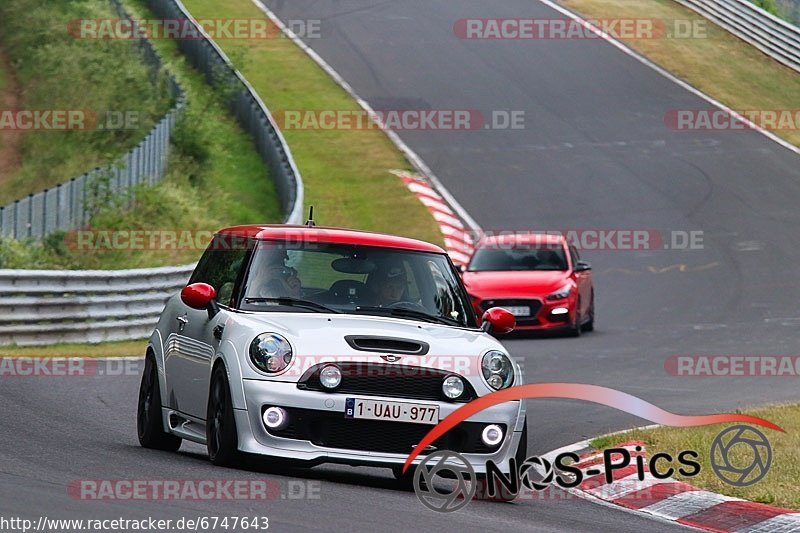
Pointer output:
498, 320
582, 266
200, 296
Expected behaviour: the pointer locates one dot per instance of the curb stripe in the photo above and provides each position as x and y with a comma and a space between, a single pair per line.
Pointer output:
732, 515
457, 241
671, 500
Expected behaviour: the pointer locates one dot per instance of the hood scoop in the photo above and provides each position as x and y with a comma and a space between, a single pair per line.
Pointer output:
386, 345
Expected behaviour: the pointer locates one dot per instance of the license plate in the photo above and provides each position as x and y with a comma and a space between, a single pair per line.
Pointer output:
415, 413
519, 310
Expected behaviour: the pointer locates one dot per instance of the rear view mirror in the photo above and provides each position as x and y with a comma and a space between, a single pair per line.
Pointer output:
498, 320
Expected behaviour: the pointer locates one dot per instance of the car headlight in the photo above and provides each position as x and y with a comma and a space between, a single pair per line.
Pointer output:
497, 370
270, 353
561, 293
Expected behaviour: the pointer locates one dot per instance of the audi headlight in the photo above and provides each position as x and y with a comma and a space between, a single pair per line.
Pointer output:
561, 293
270, 353
498, 371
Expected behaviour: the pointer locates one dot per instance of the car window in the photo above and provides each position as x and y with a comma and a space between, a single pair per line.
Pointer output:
355, 279
519, 257
220, 267
573, 252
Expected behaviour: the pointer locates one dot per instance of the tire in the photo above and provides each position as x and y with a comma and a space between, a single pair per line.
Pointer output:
221, 438
575, 329
404, 481
149, 422
589, 326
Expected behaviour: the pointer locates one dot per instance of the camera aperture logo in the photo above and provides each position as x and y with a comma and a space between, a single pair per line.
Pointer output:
740, 456
454, 466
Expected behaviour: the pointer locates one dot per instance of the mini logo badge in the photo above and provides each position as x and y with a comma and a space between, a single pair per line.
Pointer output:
391, 358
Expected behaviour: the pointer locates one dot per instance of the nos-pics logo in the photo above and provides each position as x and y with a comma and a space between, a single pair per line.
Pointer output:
445, 481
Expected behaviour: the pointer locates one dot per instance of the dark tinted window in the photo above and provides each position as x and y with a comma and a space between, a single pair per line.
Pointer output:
519, 257
220, 267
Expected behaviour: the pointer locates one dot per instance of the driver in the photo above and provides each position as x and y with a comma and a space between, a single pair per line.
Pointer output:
391, 286
273, 279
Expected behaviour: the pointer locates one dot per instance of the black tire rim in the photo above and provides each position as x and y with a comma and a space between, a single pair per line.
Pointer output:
146, 399
218, 417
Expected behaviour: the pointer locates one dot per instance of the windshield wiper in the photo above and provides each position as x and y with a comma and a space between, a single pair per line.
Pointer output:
294, 302
410, 313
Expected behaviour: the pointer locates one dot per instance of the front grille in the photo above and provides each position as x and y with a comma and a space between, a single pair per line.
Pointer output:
332, 430
534, 304
393, 381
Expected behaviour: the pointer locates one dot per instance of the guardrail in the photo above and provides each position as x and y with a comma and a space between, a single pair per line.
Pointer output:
248, 108
40, 307
67, 205
52, 306
773, 36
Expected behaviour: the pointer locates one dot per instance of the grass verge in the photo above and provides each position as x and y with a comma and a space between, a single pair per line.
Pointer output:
714, 61
57, 71
215, 178
346, 172
778, 487
106, 349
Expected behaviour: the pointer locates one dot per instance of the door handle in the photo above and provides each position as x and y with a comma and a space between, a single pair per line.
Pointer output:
182, 321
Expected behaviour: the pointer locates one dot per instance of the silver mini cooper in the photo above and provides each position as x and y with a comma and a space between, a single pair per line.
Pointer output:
315, 345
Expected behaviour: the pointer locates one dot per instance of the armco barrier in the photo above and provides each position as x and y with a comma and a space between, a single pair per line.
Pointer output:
40, 307
246, 105
773, 36
67, 205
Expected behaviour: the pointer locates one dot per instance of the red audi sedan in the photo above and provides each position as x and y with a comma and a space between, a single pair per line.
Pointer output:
538, 277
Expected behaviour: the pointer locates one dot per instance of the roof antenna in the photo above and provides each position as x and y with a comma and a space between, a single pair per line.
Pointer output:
310, 221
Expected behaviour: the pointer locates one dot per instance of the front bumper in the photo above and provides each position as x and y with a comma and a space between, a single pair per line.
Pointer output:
255, 439
546, 314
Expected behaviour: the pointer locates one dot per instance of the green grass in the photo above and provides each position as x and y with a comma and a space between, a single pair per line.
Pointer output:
346, 172
719, 64
778, 487
215, 178
57, 71
106, 349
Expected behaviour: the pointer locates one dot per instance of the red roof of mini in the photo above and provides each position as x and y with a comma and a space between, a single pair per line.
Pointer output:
322, 234
523, 238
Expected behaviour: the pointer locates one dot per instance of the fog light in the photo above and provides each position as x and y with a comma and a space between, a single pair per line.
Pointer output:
492, 435
453, 387
330, 376
275, 417
559, 311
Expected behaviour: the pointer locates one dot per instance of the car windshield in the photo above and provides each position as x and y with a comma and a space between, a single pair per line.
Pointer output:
341, 278
519, 257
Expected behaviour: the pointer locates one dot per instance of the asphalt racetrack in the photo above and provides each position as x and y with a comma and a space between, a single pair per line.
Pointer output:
594, 154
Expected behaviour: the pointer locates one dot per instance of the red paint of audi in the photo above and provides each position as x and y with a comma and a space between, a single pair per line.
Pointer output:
538, 277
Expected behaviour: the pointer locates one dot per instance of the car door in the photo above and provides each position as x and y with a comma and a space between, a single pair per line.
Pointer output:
193, 340
583, 279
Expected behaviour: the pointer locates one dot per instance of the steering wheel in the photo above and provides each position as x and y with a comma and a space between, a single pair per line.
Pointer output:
411, 306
